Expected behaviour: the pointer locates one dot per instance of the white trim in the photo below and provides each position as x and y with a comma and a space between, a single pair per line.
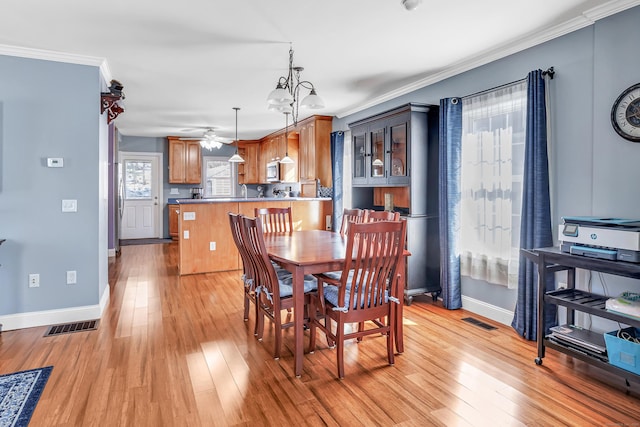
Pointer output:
104, 300
54, 317
50, 55
112, 252
489, 311
533, 39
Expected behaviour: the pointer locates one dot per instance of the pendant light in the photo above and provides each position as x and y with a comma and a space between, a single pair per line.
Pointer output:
286, 160
236, 158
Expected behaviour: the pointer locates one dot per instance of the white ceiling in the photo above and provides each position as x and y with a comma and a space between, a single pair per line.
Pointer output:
185, 65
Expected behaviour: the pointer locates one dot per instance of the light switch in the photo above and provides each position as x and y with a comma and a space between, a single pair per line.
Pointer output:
185, 234
55, 162
70, 205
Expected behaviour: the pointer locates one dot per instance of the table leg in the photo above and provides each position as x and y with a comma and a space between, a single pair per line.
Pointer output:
298, 320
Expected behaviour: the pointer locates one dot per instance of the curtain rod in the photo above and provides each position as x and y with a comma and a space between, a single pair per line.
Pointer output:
549, 71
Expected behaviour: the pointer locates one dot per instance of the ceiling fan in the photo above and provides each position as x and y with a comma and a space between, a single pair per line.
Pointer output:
209, 139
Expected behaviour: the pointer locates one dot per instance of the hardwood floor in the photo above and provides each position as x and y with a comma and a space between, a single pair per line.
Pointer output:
174, 351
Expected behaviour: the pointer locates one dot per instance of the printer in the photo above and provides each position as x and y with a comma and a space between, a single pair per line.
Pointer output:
614, 239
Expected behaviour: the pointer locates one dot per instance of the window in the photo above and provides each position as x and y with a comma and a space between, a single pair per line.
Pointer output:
137, 182
219, 177
492, 161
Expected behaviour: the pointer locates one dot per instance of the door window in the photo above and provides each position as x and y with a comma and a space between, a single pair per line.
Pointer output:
137, 182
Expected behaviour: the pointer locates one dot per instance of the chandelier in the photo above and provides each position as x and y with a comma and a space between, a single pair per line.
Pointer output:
285, 98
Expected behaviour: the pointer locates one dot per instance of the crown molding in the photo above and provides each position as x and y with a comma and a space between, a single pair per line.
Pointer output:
589, 17
49, 55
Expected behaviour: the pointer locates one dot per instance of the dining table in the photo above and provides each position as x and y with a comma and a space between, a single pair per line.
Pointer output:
318, 251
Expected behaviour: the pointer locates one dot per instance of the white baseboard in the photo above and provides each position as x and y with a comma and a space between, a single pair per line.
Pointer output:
489, 311
54, 317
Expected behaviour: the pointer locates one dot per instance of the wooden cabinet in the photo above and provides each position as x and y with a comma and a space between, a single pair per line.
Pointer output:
315, 149
275, 147
206, 243
404, 145
248, 172
174, 214
381, 149
311, 215
185, 161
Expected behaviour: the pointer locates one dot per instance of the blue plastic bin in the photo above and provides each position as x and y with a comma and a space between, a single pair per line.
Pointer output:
623, 353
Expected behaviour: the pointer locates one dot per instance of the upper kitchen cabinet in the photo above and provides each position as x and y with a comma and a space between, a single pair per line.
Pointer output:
382, 147
185, 161
315, 149
249, 171
275, 147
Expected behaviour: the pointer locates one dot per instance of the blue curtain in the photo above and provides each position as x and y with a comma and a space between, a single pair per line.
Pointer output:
337, 162
536, 212
449, 157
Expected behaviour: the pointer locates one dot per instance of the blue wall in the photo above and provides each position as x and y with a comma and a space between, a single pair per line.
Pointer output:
595, 172
51, 109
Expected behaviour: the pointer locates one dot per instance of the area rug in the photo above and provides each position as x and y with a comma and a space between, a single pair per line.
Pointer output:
19, 395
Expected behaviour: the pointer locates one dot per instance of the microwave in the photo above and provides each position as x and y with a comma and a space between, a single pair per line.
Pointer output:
273, 172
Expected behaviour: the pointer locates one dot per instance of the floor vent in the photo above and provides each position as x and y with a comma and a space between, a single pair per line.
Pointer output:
477, 322
89, 325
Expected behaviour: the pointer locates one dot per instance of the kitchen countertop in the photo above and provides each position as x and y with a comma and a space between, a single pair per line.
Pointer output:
242, 199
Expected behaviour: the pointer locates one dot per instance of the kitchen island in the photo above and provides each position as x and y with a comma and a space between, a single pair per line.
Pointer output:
204, 234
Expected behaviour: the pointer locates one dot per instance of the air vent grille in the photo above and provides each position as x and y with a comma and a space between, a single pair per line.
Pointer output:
479, 323
67, 328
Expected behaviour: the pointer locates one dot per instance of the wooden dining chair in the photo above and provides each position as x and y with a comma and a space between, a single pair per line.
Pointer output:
275, 220
372, 216
351, 215
248, 269
366, 292
273, 292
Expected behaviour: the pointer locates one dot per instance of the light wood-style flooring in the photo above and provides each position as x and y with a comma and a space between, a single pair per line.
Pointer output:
174, 351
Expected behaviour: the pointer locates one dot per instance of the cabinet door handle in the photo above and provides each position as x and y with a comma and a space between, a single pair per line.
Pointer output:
177, 211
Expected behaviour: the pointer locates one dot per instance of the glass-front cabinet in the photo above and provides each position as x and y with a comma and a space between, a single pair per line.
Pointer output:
380, 152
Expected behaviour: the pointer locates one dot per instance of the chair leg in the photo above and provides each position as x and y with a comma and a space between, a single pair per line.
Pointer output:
257, 314
390, 339
360, 329
277, 331
313, 318
246, 307
340, 349
327, 325
259, 322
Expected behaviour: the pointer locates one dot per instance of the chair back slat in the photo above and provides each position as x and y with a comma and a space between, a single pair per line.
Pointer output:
235, 221
377, 248
266, 280
275, 220
349, 216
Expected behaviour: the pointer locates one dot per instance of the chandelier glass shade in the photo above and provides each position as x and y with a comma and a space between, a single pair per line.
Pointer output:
210, 140
286, 159
285, 98
236, 158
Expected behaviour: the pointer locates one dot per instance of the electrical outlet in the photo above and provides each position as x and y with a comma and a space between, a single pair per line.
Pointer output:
34, 280
71, 277
212, 246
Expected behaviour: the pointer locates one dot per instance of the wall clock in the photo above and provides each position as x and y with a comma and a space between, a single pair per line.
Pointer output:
625, 114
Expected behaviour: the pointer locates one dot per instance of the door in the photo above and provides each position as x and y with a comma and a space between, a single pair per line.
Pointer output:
141, 183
